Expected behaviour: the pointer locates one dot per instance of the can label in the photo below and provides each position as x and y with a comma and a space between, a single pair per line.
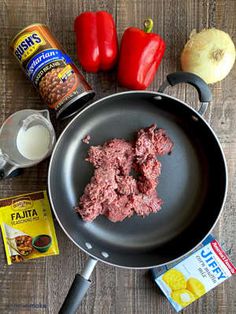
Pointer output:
48, 66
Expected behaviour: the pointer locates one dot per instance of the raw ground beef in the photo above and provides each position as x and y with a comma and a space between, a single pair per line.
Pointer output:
86, 139
113, 191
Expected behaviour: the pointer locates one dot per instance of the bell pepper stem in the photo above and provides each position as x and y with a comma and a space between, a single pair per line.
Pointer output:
148, 25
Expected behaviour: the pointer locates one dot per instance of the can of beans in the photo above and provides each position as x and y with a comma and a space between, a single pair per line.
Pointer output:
44, 61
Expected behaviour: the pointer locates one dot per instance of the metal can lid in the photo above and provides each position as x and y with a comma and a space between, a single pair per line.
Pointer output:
72, 107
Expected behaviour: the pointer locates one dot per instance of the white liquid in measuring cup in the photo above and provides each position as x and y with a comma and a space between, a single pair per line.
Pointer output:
33, 143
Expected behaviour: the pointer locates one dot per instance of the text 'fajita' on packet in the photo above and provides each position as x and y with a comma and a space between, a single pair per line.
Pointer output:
185, 281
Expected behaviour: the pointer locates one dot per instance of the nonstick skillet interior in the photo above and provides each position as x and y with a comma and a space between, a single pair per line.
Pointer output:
192, 183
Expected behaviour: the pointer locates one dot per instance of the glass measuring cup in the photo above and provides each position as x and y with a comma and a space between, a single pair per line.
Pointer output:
21, 121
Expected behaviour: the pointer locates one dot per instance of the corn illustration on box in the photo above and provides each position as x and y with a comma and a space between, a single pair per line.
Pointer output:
190, 278
27, 227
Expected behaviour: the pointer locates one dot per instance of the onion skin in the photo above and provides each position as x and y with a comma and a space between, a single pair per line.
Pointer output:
210, 54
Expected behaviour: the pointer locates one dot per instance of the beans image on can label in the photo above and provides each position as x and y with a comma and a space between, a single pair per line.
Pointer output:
52, 88
57, 79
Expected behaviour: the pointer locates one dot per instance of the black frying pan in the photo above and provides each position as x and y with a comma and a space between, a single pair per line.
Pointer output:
192, 184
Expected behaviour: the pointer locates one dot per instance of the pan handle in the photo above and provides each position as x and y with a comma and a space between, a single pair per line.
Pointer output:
78, 288
204, 92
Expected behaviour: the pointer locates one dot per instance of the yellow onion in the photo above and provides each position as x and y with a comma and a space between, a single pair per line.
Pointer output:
209, 54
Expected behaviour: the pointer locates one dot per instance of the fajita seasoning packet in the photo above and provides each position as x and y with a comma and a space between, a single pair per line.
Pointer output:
189, 279
27, 227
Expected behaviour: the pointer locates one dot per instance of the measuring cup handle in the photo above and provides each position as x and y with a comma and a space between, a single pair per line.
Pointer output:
14, 173
7, 170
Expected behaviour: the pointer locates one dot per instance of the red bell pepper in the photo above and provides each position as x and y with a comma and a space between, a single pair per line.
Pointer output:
140, 55
96, 41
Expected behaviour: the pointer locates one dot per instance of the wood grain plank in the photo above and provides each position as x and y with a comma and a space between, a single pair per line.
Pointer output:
103, 279
22, 286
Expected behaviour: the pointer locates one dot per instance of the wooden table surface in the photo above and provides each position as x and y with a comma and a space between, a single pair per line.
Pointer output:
39, 286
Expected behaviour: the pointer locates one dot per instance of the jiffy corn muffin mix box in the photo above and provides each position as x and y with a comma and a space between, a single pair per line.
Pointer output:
187, 280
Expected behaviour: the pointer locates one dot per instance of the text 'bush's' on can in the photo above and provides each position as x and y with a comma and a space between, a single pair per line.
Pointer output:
50, 69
